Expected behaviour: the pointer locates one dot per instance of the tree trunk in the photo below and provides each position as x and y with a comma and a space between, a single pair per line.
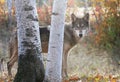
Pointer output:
54, 61
30, 66
9, 6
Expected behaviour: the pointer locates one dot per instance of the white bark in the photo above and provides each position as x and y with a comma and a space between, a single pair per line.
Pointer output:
30, 66
54, 61
27, 21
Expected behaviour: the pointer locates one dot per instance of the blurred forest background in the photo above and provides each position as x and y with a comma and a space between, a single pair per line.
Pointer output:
104, 24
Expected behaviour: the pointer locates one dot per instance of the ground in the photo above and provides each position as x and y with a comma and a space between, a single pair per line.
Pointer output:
85, 64
88, 60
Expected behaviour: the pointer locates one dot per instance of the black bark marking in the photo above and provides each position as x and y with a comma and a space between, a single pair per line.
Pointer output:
33, 51
30, 16
35, 30
53, 47
33, 26
29, 32
28, 44
58, 34
28, 8
55, 13
35, 38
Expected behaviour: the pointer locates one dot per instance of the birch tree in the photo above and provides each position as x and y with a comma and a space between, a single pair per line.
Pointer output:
55, 50
30, 66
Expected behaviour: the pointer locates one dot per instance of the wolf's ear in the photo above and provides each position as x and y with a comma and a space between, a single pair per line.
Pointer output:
73, 17
86, 17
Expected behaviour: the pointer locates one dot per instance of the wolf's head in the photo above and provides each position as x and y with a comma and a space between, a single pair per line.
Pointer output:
80, 24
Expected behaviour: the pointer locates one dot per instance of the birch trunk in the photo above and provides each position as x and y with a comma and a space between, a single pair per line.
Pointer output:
54, 61
30, 66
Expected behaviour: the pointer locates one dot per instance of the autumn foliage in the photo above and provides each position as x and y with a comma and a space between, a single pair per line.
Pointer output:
2, 11
92, 78
44, 13
107, 25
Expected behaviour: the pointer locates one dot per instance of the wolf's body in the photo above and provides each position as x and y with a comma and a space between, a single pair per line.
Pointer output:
70, 39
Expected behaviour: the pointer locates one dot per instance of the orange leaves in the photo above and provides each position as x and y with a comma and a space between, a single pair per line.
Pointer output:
96, 78
44, 13
112, 5
2, 11
66, 80
107, 24
71, 3
2, 2
1, 80
113, 79
100, 78
4, 77
74, 78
